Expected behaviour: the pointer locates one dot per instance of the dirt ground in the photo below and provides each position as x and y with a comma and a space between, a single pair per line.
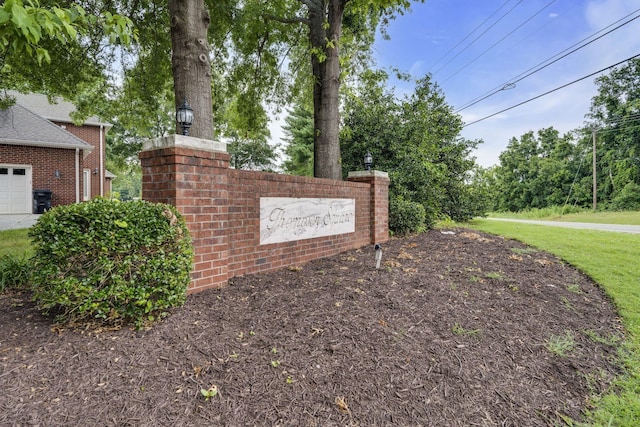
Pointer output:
456, 329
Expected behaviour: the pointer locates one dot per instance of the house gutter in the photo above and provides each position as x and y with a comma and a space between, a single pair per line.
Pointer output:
77, 175
101, 173
22, 142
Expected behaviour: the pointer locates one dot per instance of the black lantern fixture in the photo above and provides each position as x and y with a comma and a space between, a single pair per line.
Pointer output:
368, 161
184, 116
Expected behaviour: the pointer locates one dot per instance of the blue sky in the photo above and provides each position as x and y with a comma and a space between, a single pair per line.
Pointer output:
424, 41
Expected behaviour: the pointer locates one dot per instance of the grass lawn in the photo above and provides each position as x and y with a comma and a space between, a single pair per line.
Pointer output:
611, 259
15, 242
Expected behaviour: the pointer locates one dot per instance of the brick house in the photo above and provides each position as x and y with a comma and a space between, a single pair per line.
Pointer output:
41, 149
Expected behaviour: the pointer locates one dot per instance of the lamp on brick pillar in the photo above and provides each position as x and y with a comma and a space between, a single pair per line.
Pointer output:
368, 161
184, 116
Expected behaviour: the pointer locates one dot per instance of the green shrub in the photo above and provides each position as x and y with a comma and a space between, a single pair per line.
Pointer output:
406, 216
110, 260
15, 272
628, 199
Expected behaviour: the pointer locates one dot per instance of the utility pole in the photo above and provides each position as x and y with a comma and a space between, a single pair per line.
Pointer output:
595, 196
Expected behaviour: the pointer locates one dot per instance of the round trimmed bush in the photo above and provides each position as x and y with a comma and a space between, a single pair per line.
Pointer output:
406, 216
110, 260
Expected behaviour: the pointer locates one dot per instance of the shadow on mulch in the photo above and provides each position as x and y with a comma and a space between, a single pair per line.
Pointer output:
455, 330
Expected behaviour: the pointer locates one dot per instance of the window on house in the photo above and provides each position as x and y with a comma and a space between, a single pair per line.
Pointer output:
4, 171
86, 190
19, 171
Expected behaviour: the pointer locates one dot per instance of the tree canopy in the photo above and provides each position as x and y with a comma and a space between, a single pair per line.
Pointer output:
536, 170
543, 169
414, 139
256, 53
57, 49
615, 115
321, 41
259, 52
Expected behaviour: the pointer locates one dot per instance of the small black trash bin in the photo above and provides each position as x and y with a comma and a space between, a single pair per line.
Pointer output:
41, 201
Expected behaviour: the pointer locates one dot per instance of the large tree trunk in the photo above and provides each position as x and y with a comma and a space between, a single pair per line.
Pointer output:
190, 63
326, 74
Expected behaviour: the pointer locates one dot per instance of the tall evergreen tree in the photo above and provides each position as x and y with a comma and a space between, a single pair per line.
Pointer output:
298, 131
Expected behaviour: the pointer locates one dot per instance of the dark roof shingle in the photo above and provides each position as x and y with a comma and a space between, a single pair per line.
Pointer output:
20, 126
57, 111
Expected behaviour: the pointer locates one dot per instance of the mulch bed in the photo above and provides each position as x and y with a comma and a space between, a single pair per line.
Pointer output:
456, 329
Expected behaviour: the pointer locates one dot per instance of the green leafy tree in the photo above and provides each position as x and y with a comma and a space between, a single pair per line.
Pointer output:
482, 189
57, 48
251, 151
416, 140
518, 169
152, 86
248, 135
553, 179
615, 114
545, 169
248, 52
329, 35
128, 182
538, 170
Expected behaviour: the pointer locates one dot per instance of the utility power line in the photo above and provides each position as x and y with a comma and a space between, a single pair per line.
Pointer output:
510, 84
623, 124
613, 122
499, 41
632, 116
469, 35
553, 90
605, 130
474, 40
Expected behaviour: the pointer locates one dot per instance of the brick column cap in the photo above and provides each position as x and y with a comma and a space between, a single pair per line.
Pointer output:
183, 141
368, 174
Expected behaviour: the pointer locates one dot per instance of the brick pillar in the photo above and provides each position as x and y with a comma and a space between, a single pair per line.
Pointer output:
379, 206
191, 174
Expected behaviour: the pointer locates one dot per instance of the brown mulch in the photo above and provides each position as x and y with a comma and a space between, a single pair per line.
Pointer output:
453, 330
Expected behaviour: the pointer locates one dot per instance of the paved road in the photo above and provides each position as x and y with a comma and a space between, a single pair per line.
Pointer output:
584, 225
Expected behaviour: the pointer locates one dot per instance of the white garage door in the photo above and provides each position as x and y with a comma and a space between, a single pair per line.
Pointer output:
15, 189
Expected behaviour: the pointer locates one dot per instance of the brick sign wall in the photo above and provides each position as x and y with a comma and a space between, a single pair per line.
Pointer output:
315, 217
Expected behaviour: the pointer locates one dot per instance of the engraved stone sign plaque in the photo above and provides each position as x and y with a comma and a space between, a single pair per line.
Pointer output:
285, 219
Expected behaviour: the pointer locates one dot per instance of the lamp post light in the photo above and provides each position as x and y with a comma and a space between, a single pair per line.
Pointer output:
184, 116
368, 161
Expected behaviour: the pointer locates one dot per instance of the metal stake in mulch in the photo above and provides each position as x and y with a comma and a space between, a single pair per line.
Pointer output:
378, 249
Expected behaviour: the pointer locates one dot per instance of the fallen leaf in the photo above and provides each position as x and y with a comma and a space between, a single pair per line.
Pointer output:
342, 405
